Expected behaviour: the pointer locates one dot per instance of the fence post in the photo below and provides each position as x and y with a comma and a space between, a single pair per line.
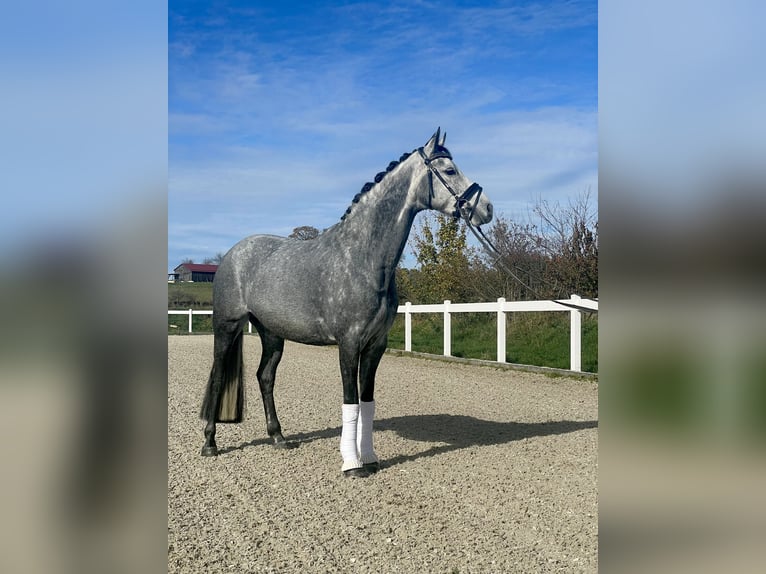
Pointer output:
500, 330
407, 327
190, 320
447, 330
575, 341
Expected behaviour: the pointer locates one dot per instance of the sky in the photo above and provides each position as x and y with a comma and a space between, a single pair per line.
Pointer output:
83, 119
279, 112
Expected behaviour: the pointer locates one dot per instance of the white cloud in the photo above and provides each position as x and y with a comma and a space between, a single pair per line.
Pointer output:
293, 126
517, 157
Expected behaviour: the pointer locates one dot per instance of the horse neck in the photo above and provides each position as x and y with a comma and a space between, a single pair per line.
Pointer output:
380, 222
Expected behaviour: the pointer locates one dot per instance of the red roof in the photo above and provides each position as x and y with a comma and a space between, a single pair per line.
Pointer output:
198, 267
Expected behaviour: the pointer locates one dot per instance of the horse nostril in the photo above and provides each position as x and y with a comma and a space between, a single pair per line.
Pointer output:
489, 209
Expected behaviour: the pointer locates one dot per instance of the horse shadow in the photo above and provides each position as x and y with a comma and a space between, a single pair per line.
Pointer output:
452, 432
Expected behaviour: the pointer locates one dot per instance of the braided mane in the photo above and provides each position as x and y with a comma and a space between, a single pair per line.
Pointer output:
378, 178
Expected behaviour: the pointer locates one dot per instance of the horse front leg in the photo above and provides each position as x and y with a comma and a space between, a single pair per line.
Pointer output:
368, 366
349, 371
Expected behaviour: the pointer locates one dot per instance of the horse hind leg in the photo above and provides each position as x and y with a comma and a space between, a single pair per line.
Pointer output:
271, 355
224, 399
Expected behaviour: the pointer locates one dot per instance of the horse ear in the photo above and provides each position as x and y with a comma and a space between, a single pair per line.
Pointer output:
434, 141
444, 139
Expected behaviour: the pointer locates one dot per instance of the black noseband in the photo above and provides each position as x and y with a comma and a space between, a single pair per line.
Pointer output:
471, 191
465, 198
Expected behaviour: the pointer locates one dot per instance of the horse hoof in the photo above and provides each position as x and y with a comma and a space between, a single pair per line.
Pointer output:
209, 451
356, 473
371, 467
285, 444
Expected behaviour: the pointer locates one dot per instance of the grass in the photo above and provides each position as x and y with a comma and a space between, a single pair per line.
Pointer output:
540, 339
183, 295
179, 324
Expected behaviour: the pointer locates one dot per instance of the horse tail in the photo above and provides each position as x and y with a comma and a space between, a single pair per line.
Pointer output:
226, 387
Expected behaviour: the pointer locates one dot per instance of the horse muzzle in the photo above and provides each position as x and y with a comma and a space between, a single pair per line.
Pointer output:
475, 211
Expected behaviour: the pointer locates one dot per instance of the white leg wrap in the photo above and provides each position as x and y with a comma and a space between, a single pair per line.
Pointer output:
364, 432
348, 438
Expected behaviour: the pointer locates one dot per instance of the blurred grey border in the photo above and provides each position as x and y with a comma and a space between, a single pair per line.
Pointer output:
83, 146
682, 137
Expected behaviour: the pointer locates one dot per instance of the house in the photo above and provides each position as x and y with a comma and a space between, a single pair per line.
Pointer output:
195, 272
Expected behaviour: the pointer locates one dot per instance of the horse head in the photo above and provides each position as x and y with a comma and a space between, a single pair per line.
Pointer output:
450, 191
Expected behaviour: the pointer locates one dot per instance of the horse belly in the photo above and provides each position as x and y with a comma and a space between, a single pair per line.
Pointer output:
294, 323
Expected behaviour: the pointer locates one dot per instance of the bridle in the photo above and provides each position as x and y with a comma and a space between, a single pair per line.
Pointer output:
461, 200
464, 210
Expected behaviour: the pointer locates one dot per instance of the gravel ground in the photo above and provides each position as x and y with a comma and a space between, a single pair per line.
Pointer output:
483, 470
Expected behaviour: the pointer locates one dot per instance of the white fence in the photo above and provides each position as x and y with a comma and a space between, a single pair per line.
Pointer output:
192, 312
499, 308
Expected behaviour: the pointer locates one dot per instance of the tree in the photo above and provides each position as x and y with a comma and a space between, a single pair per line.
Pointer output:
553, 255
305, 232
215, 260
521, 253
443, 258
572, 244
405, 279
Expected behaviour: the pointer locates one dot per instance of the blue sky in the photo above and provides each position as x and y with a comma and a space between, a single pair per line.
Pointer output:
279, 112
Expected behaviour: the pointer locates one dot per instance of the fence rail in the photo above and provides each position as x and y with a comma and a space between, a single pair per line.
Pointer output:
499, 307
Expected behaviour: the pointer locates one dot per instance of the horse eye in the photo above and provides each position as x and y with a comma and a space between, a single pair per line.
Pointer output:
450, 171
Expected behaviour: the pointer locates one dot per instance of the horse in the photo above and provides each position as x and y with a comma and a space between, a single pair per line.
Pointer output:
336, 289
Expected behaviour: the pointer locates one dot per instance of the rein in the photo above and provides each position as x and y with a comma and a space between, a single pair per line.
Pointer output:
463, 199
492, 250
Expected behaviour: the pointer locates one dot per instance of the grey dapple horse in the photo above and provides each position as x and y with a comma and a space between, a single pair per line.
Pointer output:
337, 289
